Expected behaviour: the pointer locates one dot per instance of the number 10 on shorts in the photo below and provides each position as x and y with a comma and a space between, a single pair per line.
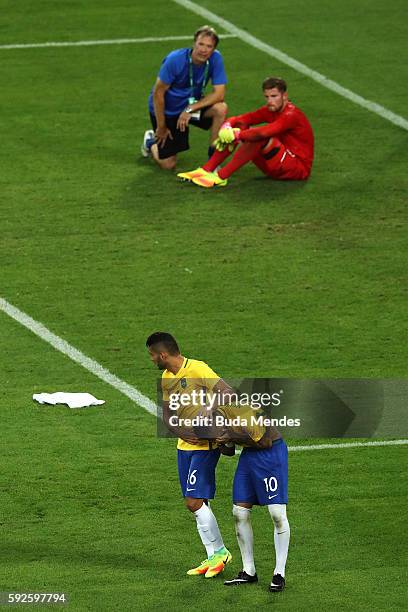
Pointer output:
271, 484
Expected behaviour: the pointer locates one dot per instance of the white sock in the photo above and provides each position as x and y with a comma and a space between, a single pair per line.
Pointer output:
207, 524
245, 537
205, 540
203, 531
281, 536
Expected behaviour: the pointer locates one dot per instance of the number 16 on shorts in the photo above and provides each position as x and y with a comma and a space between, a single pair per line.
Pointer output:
192, 479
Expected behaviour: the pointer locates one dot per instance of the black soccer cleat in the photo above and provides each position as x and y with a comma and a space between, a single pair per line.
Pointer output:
277, 584
242, 578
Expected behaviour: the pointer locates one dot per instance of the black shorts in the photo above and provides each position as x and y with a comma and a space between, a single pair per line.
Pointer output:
180, 139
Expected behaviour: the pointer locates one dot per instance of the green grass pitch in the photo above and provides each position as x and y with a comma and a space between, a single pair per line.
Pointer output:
258, 279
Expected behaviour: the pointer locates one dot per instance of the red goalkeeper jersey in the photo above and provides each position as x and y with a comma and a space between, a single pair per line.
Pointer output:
290, 126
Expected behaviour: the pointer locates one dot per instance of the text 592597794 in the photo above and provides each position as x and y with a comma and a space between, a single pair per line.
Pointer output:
15, 598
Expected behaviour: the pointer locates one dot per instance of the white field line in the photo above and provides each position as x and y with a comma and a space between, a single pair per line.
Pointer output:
86, 362
131, 392
90, 43
308, 447
348, 445
293, 63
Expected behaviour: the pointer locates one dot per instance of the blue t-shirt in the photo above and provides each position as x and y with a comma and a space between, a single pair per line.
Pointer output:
175, 72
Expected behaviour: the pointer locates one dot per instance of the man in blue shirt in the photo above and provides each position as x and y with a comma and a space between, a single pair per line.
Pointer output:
178, 100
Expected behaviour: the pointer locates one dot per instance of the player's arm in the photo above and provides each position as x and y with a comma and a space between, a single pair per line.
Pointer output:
186, 434
162, 131
241, 437
247, 438
223, 394
217, 95
231, 129
218, 391
283, 124
247, 119
247, 433
223, 438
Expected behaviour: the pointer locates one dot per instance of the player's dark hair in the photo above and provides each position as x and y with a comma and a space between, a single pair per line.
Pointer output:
207, 30
272, 82
166, 340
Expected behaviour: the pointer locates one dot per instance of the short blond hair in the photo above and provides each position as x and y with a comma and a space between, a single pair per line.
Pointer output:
207, 30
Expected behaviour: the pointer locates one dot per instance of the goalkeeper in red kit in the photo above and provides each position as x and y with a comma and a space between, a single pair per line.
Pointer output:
282, 149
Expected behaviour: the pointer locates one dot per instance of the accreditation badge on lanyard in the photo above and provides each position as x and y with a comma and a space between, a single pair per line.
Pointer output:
192, 99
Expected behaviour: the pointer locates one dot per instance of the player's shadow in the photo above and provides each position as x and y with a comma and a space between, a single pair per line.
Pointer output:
255, 190
161, 192
280, 186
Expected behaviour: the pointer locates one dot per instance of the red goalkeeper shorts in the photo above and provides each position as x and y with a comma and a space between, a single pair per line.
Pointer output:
283, 165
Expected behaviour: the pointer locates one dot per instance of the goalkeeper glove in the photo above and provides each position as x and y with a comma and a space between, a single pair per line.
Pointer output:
221, 146
228, 134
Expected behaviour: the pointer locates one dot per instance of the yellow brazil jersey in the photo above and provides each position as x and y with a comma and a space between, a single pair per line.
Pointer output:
243, 419
194, 379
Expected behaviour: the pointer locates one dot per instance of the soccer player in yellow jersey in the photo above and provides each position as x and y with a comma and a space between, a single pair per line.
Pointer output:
261, 478
197, 458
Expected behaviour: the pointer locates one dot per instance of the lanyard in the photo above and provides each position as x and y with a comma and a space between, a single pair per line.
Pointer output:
190, 74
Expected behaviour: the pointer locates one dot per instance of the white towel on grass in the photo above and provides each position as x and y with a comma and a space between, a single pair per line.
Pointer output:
74, 400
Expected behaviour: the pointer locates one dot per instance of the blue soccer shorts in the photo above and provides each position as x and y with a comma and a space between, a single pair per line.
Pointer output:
261, 476
179, 141
196, 470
